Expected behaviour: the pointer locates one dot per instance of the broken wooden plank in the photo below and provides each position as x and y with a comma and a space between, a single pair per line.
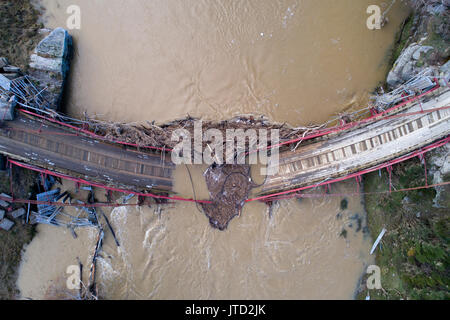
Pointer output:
54, 214
378, 240
49, 196
110, 228
18, 213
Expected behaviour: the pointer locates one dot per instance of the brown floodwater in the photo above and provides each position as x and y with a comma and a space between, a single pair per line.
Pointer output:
172, 252
294, 61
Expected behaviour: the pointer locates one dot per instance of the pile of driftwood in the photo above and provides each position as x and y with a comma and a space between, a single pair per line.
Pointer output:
229, 186
161, 135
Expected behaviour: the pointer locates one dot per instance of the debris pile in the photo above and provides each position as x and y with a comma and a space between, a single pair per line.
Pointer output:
87, 216
229, 186
160, 136
7, 214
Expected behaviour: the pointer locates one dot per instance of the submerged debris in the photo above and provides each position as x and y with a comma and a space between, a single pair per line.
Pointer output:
110, 227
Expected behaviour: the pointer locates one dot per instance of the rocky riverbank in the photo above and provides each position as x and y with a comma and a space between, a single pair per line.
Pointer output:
423, 41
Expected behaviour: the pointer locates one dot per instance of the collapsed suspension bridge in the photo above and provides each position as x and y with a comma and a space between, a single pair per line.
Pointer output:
417, 124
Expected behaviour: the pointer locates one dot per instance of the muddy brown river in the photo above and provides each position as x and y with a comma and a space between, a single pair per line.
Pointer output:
299, 62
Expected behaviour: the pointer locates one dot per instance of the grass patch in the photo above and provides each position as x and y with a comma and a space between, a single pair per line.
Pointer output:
18, 31
401, 40
414, 257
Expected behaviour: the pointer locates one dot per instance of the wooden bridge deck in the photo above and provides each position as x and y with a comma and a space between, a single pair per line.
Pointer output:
363, 147
55, 148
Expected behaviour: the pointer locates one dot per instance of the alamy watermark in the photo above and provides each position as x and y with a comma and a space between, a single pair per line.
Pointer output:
236, 147
74, 20
374, 21
374, 280
74, 277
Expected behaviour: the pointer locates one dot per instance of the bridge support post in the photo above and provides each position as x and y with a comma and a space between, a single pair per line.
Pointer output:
389, 170
358, 183
11, 189
424, 162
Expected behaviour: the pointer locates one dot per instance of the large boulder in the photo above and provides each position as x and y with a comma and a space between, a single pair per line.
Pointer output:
407, 65
50, 64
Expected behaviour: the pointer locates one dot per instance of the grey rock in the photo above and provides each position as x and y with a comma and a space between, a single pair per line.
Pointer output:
395, 75
18, 213
420, 50
405, 66
46, 64
393, 79
50, 64
408, 71
2, 214
6, 224
436, 9
3, 62
4, 204
55, 45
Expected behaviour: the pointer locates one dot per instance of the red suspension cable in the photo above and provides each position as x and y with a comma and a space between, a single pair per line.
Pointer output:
98, 185
435, 145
